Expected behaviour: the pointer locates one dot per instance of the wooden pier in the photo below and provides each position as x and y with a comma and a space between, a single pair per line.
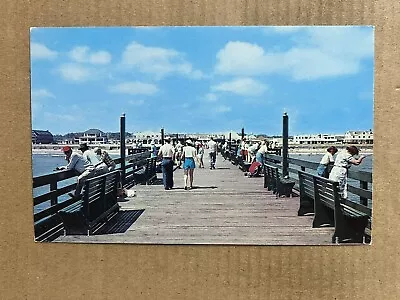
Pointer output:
224, 207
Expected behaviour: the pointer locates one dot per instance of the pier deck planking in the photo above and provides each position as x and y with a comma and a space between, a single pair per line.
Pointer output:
225, 207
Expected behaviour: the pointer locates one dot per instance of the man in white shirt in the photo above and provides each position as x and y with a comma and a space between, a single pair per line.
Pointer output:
81, 166
167, 153
101, 167
212, 148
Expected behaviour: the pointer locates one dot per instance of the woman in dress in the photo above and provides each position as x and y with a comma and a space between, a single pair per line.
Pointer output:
343, 162
188, 155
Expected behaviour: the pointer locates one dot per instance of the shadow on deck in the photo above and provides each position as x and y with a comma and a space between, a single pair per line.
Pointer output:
121, 222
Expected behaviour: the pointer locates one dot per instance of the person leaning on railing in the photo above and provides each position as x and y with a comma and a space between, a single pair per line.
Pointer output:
80, 165
105, 158
343, 162
326, 160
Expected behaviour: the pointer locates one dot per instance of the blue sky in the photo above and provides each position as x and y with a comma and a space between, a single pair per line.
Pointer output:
203, 79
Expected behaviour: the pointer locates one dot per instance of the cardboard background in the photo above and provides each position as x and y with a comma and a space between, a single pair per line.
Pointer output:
71, 271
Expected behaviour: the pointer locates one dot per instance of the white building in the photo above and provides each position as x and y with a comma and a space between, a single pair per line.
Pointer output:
93, 136
146, 137
317, 139
359, 137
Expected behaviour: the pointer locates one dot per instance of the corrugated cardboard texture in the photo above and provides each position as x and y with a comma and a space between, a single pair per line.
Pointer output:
69, 271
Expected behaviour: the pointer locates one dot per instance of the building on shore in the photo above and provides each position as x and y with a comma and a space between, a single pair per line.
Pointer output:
359, 137
93, 136
317, 139
42, 137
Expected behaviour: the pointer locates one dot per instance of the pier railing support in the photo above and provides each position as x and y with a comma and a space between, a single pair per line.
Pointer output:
230, 140
162, 136
285, 145
122, 148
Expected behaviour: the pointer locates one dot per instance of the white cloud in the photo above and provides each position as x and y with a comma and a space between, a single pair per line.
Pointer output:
136, 102
75, 72
210, 97
242, 86
134, 88
61, 117
82, 54
41, 93
158, 61
320, 52
40, 51
222, 109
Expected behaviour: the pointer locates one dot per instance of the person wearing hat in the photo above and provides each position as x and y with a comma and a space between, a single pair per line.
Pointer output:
100, 167
188, 155
105, 158
167, 153
80, 165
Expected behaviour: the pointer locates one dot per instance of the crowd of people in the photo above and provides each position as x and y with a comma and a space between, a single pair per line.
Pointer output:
86, 165
185, 156
89, 163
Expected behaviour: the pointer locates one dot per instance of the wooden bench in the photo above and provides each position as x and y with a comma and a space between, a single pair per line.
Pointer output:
349, 219
146, 172
274, 181
306, 188
97, 206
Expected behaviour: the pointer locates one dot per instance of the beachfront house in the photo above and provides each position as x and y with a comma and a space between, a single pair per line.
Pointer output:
93, 136
359, 137
42, 137
316, 139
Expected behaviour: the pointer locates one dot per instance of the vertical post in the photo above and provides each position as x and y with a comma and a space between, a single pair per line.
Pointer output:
53, 187
122, 148
242, 133
177, 138
285, 145
162, 136
230, 140
364, 185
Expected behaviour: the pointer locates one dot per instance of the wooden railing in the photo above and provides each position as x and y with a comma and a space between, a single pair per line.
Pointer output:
47, 223
364, 191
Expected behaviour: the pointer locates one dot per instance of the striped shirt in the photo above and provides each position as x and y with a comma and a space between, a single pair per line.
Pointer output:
107, 159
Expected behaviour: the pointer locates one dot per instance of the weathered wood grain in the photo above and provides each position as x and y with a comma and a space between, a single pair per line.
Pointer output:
225, 207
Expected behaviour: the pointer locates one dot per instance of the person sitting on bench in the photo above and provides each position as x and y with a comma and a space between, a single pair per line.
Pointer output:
105, 158
100, 167
80, 165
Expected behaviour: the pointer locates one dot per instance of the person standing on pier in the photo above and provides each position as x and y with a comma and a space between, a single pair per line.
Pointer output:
212, 148
81, 166
261, 152
327, 159
178, 151
343, 162
188, 155
105, 158
167, 153
200, 155
153, 149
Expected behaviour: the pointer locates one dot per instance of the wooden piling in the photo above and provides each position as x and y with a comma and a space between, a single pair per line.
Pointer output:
122, 147
285, 145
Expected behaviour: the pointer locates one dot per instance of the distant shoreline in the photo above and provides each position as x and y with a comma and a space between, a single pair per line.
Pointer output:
56, 149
